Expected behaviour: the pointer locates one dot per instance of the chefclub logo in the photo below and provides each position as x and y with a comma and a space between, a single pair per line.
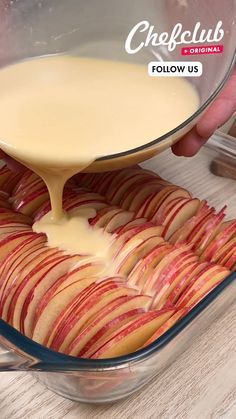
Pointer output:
208, 40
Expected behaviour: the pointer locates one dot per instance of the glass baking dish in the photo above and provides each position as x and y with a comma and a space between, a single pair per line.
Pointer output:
113, 379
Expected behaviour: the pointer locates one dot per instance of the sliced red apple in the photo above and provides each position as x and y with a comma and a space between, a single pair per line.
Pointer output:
94, 288
5, 174
202, 284
209, 233
143, 269
87, 311
11, 242
152, 202
109, 318
171, 277
137, 193
18, 262
47, 314
183, 233
32, 202
37, 289
179, 216
132, 336
15, 284
103, 216
166, 326
118, 220
126, 240
125, 262
84, 271
222, 254
169, 196
184, 282
150, 285
220, 240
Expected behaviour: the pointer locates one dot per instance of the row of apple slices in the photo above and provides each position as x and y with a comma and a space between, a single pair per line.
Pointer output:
201, 229
184, 219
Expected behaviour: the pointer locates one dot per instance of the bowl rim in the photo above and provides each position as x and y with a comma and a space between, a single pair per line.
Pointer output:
44, 359
188, 121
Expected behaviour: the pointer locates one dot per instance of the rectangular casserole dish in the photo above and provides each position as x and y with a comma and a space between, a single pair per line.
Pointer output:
211, 174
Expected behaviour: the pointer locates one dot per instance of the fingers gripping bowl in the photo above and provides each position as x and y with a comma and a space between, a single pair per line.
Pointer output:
117, 304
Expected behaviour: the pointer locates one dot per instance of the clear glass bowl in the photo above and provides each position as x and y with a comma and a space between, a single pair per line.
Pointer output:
99, 381
94, 28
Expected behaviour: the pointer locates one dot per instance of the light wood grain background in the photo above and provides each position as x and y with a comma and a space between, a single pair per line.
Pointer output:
201, 384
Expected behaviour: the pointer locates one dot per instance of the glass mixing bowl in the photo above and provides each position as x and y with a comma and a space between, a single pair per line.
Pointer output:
99, 28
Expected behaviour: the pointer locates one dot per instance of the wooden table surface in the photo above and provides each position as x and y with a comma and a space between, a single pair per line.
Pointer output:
201, 384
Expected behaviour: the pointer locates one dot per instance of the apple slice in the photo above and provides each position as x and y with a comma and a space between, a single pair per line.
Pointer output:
137, 222
33, 187
224, 252
45, 207
39, 288
102, 185
127, 239
167, 196
26, 179
145, 266
125, 185
132, 336
15, 216
150, 285
179, 216
118, 311
152, 202
13, 228
19, 262
124, 175
86, 311
47, 314
125, 262
11, 182
201, 285
32, 202
170, 278
230, 264
184, 282
185, 231
228, 232
163, 215
95, 204
137, 193
94, 288
119, 219
14, 285
16, 252
4, 195
5, 174
210, 231
80, 198
86, 270
11, 242
103, 216
222, 261
178, 315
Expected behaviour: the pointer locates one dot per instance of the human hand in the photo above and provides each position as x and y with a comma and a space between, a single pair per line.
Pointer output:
217, 115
